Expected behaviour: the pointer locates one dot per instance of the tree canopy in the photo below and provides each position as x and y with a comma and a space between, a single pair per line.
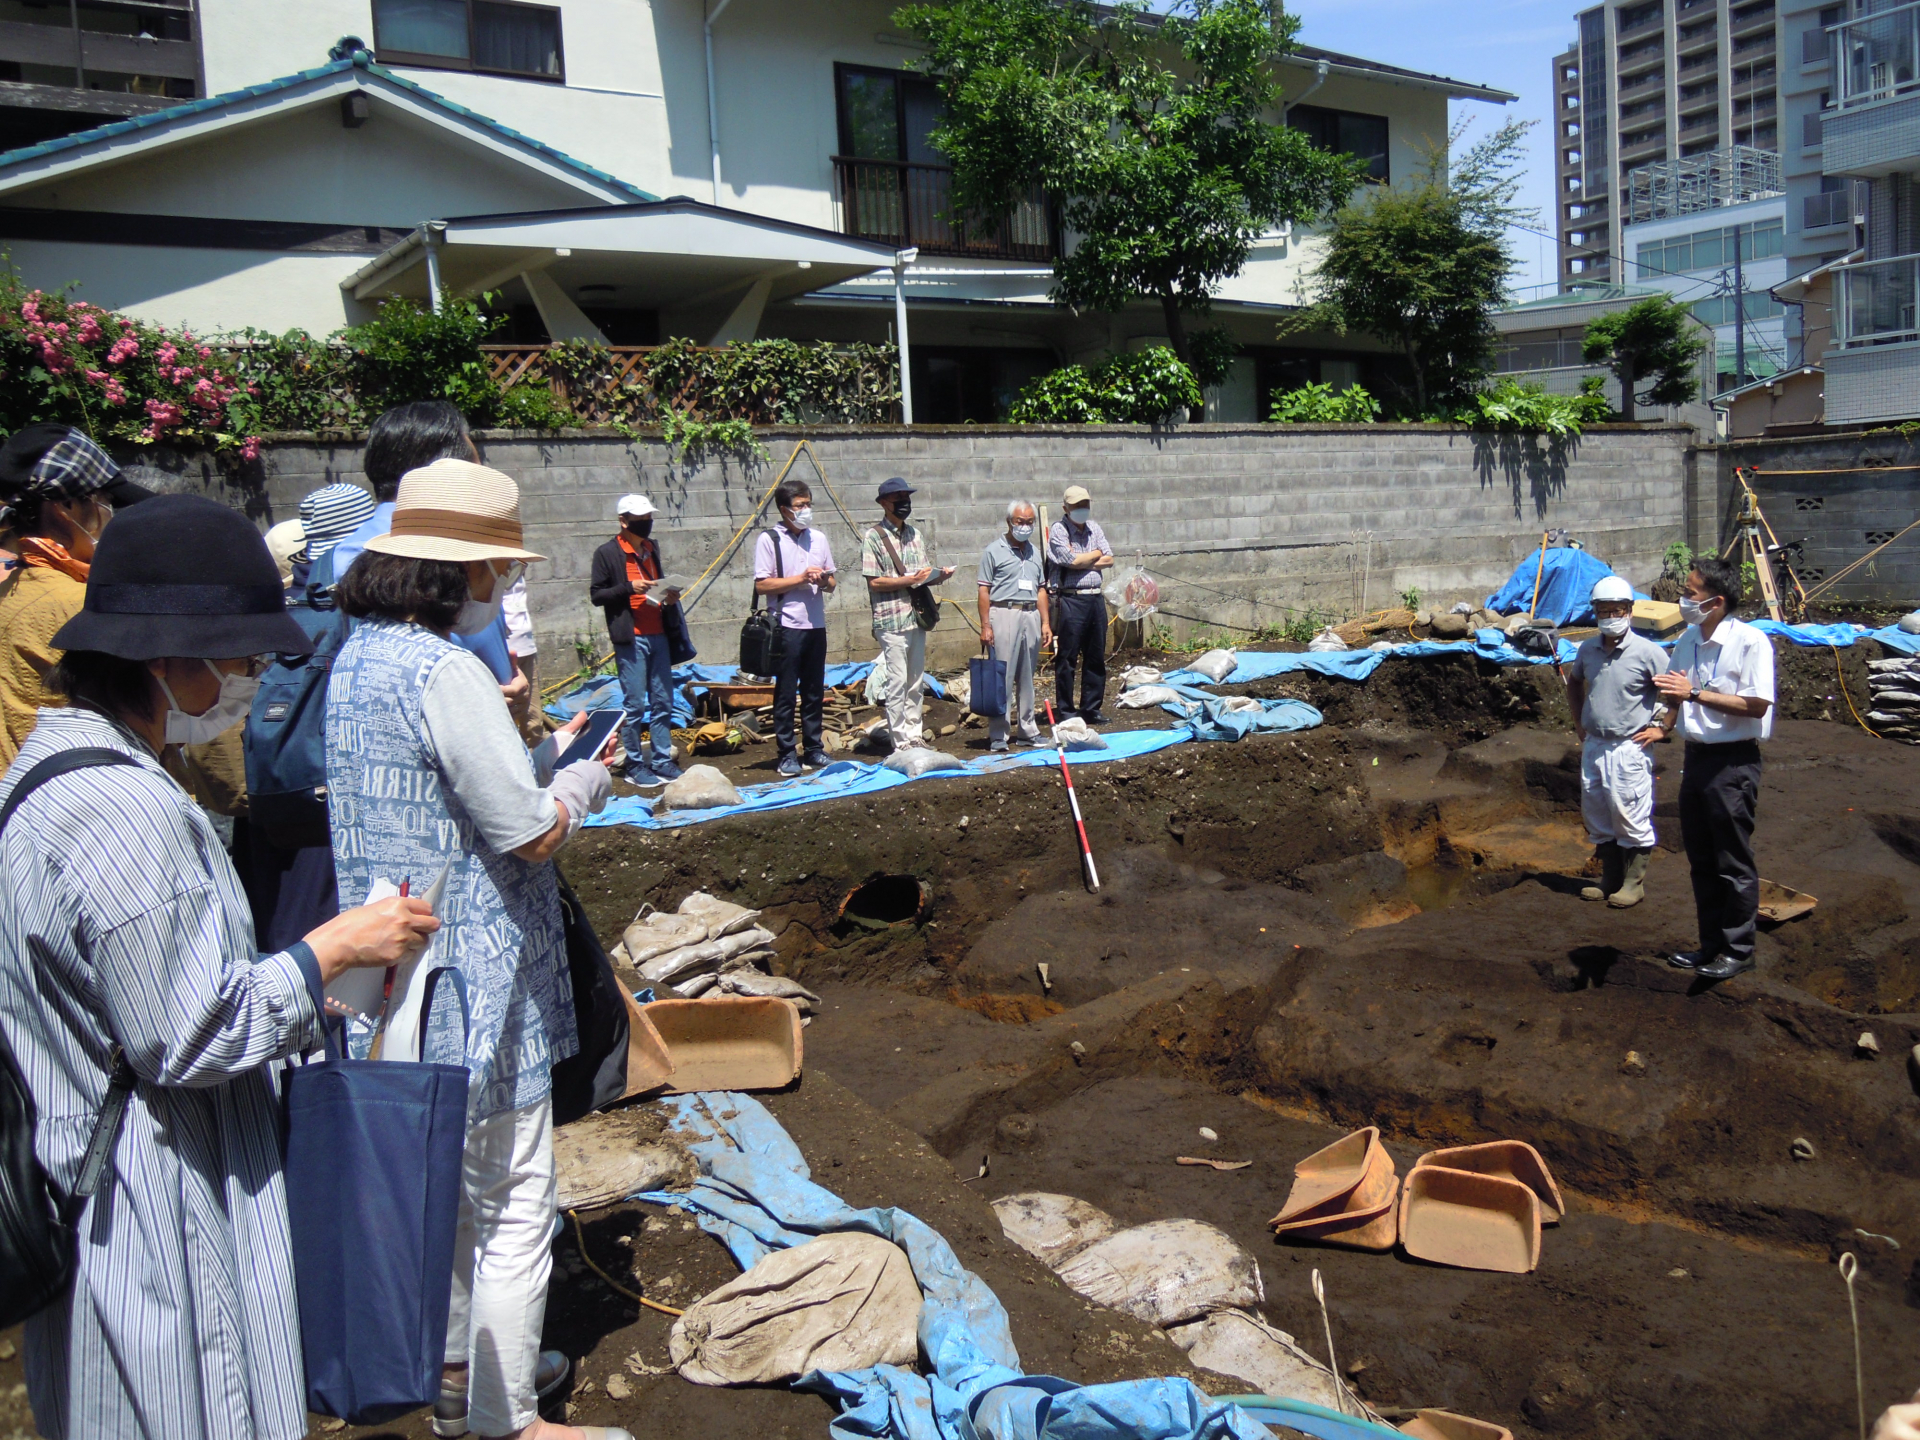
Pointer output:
1422, 266
1155, 136
1654, 337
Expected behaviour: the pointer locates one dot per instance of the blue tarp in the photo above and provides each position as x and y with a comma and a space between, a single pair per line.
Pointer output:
603, 692
1488, 644
757, 1195
1894, 638
1812, 634
852, 777
1208, 718
1566, 581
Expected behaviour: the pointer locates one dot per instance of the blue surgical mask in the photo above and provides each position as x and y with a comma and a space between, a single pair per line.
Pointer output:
1079, 514
1023, 532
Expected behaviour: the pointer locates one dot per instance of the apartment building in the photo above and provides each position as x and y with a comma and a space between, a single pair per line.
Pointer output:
789, 139
1870, 140
1647, 81
68, 65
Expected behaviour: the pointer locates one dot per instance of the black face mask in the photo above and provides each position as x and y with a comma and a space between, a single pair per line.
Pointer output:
640, 529
902, 509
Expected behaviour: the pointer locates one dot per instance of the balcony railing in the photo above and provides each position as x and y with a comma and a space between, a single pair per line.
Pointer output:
1813, 46
1876, 57
1874, 302
902, 204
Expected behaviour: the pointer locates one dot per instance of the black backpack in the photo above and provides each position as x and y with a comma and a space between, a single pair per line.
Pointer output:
36, 1224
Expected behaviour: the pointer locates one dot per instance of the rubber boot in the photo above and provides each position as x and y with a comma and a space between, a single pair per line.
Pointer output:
1632, 888
1611, 863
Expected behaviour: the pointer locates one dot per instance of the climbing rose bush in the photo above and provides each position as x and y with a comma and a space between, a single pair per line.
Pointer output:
112, 376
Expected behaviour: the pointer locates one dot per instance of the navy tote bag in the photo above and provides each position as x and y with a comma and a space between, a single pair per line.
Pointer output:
988, 679
373, 1167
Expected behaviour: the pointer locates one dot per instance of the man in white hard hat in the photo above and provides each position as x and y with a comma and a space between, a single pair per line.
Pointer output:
1616, 713
649, 636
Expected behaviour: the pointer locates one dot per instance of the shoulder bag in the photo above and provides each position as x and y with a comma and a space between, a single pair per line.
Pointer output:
761, 639
37, 1224
926, 605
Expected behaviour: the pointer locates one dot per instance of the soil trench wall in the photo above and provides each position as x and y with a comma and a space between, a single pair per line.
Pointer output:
1869, 491
1242, 523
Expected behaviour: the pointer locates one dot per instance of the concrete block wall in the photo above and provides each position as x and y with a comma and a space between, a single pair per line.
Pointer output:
1836, 496
1242, 524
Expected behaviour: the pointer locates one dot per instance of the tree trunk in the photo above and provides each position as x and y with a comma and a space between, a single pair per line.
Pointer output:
1623, 362
1177, 337
1419, 381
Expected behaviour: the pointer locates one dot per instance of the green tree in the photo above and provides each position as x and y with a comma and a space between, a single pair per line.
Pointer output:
1421, 267
1654, 338
1154, 135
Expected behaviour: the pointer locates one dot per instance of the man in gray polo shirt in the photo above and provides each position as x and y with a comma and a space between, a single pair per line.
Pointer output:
1616, 706
1015, 622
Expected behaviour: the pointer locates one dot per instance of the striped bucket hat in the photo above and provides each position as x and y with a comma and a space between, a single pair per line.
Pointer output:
332, 513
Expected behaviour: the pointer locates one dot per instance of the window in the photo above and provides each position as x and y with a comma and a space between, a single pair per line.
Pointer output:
887, 115
1718, 309
1709, 249
1362, 136
494, 37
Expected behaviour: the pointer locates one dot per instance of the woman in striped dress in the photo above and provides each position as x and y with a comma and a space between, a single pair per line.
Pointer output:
123, 926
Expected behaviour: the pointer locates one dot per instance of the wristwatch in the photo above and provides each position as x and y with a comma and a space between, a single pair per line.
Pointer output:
1694, 693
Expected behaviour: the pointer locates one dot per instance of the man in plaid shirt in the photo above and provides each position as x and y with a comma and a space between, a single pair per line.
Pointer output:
894, 560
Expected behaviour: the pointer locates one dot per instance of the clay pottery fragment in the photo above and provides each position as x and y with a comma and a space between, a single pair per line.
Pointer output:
1515, 1159
731, 1043
1360, 1216
1445, 1425
1469, 1221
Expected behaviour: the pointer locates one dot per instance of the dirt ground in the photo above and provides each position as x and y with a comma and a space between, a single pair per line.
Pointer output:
1375, 922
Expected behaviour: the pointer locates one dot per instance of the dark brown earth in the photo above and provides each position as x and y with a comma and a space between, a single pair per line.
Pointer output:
1374, 922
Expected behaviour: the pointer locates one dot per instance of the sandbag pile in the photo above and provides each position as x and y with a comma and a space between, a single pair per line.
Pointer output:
705, 936
1184, 1276
1895, 688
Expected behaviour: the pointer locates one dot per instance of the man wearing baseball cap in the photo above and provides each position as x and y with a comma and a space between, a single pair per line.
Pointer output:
640, 616
57, 491
1077, 551
1616, 708
893, 558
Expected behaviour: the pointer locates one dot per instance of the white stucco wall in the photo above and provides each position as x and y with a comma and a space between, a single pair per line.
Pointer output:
206, 291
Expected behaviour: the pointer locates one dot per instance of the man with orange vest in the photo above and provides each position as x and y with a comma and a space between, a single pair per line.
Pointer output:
649, 637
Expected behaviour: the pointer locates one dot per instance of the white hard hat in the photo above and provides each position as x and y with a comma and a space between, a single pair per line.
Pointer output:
1612, 587
635, 505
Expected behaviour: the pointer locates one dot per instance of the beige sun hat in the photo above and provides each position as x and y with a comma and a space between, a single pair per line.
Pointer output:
456, 510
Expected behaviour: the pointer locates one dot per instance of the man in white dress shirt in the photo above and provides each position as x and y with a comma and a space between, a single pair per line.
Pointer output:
1721, 685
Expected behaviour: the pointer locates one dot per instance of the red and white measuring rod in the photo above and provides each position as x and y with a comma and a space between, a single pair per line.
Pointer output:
1073, 800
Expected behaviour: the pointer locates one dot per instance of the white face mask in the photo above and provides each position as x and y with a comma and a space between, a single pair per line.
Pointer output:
1079, 515
477, 615
1615, 626
803, 516
1692, 611
1023, 532
236, 698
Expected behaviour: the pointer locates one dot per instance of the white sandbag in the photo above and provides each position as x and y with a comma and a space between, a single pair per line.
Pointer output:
1325, 642
1075, 734
707, 955
842, 1302
1140, 675
660, 932
694, 986
597, 1160
1166, 1271
1145, 697
1461, 607
1907, 664
700, 787
722, 917
779, 987
919, 760
1235, 704
1911, 623
959, 690
1216, 665
1895, 699
1232, 1342
1052, 1228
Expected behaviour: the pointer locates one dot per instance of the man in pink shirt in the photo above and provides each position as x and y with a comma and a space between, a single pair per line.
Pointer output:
793, 562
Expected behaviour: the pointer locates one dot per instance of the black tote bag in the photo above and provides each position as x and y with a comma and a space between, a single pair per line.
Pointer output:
373, 1176
597, 1075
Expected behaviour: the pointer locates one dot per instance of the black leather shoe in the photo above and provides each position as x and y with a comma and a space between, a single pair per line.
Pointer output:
1688, 959
1726, 967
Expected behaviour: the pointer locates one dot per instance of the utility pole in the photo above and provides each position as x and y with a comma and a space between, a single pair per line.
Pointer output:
1739, 312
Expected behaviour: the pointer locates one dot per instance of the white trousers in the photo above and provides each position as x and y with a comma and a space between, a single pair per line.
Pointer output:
1016, 640
502, 1256
1616, 793
903, 659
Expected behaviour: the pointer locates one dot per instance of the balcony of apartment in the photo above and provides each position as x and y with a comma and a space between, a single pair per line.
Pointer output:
1875, 93
1695, 38
1649, 82
1843, 206
1638, 149
1635, 60
1873, 359
1704, 96
1811, 124
1748, 18
1692, 126
1707, 59
1815, 46
1646, 20
903, 204
67, 66
1747, 49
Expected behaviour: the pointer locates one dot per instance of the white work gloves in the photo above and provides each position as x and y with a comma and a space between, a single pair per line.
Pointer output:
583, 789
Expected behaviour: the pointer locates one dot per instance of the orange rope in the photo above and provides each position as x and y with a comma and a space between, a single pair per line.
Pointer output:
1841, 672
580, 1240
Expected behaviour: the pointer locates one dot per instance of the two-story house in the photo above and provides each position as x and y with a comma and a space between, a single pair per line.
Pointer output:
622, 170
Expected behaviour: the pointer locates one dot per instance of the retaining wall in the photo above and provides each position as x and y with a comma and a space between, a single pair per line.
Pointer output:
1242, 524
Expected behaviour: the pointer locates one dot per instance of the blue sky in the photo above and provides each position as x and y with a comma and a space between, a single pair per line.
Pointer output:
1509, 44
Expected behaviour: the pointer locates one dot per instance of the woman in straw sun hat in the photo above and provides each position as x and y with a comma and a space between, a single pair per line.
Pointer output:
426, 772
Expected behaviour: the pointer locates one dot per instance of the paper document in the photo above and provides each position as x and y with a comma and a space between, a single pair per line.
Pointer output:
399, 1035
